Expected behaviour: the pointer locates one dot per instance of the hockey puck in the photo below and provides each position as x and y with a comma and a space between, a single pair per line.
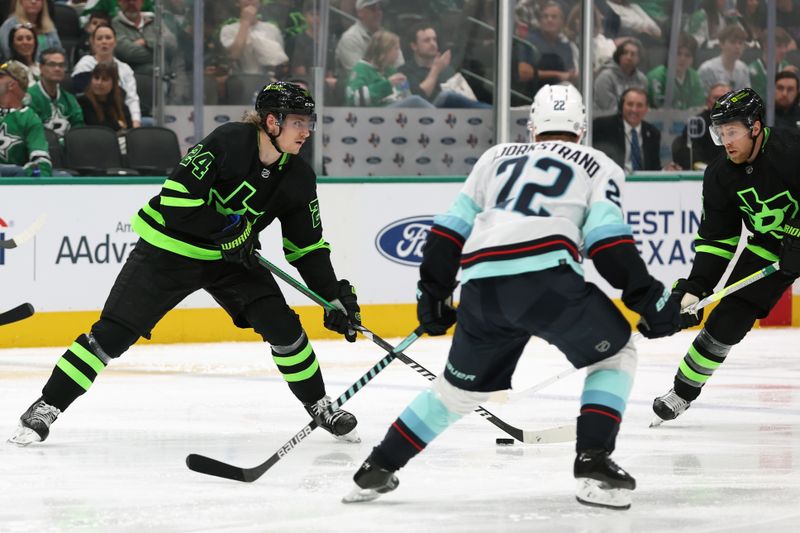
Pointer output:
504, 442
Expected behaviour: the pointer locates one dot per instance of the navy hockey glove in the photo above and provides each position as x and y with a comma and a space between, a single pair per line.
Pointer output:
436, 315
347, 311
237, 242
790, 249
660, 314
686, 293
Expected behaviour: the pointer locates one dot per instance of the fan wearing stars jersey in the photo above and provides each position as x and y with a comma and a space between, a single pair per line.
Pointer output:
23, 146
201, 232
58, 109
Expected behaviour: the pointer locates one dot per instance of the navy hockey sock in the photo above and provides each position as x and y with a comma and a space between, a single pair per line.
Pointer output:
74, 372
398, 447
300, 369
598, 426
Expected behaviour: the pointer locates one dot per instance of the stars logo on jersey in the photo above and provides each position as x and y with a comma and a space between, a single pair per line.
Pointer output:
767, 216
57, 122
7, 141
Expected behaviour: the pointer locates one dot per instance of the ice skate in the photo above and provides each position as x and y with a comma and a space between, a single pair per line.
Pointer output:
601, 482
34, 424
668, 407
371, 481
341, 424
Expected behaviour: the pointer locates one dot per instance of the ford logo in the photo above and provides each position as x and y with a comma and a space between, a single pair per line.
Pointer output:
399, 140
448, 140
402, 241
376, 120
327, 119
474, 121
422, 160
222, 118
470, 160
169, 119
373, 160
426, 120
349, 140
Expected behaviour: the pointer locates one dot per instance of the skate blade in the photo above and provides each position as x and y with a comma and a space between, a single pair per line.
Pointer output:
24, 436
598, 494
351, 437
358, 495
657, 421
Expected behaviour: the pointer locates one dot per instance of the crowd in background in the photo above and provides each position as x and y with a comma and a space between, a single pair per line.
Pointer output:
92, 62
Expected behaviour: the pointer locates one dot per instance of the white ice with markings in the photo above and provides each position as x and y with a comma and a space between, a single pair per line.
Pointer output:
115, 459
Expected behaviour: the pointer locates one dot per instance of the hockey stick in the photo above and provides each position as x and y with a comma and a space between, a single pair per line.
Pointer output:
20, 312
212, 467
559, 434
29, 232
719, 295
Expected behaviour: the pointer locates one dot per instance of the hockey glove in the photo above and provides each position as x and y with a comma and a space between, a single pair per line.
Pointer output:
660, 314
436, 315
685, 293
237, 242
347, 311
790, 249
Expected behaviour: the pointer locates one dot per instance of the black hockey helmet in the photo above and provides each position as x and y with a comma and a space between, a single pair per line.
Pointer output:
744, 105
283, 98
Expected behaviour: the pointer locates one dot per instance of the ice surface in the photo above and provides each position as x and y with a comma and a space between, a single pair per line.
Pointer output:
115, 460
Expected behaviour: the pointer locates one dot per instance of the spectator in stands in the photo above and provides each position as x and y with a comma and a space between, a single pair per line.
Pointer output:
555, 63
103, 103
758, 68
136, 37
109, 7
57, 108
727, 67
634, 21
603, 46
753, 15
353, 44
25, 152
787, 14
633, 143
23, 44
95, 19
688, 91
304, 45
256, 47
703, 150
787, 113
430, 68
104, 41
619, 75
374, 82
34, 12
706, 23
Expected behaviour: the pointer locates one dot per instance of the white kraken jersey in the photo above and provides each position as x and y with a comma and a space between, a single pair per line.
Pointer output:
528, 207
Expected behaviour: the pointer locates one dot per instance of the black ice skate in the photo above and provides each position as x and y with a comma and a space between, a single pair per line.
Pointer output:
668, 407
601, 482
371, 481
34, 424
340, 423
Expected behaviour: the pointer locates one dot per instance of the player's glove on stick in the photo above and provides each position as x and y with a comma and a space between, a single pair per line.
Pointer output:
347, 311
237, 242
686, 293
436, 315
660, 314
790, 249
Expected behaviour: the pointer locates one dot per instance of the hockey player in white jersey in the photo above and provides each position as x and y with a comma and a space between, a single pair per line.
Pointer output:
519, 228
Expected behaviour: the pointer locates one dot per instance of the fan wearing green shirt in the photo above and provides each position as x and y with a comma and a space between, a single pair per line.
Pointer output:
58, 109
688, 91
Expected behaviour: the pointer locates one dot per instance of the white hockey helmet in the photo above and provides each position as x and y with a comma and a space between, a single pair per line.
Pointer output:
557, 108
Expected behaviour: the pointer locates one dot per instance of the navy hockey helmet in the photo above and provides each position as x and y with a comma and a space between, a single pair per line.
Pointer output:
744, 106
282, 98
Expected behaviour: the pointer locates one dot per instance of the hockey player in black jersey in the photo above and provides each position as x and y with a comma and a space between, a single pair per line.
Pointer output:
201, 232
758, 183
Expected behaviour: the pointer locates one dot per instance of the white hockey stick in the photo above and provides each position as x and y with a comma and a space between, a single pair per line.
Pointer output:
29, 232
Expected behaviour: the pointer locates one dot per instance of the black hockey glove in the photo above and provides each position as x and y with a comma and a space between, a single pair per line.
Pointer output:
660, 314
790, 249
686, 294
237, 242
436, 315
347, 311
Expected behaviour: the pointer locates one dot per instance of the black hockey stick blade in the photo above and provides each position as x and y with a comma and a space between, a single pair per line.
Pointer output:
213, 467
20, 312
29, 232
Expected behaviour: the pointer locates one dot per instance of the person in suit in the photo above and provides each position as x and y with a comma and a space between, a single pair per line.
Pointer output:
629, 140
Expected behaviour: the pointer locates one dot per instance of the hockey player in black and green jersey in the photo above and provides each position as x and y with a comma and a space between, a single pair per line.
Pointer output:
23, 147
758, 183
200, 232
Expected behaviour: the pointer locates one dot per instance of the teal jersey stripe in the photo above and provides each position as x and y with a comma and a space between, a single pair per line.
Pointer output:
607, 231
461, 215
600, 397
604, 214
520, 265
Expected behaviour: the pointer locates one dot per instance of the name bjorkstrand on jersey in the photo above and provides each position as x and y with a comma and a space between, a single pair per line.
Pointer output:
580, 157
